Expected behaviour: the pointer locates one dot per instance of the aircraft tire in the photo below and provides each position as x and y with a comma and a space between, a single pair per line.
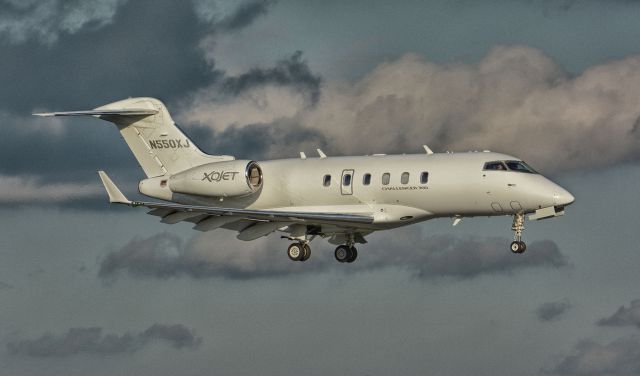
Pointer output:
523, 247
353, 254
295, 251
518, 247
342, 253
307, 252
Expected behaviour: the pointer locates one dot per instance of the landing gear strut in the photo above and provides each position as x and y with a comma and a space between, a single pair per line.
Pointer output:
299, 251
518, 246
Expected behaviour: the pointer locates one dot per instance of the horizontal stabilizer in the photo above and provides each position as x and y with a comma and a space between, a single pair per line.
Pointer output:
115, 196
105, 112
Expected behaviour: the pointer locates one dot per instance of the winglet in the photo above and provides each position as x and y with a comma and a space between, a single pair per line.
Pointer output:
115, 196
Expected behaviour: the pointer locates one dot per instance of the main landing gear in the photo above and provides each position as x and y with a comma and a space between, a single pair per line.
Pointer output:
346, 253
299, 251
518, 246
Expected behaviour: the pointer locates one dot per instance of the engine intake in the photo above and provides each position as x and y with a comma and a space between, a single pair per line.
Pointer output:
219, 179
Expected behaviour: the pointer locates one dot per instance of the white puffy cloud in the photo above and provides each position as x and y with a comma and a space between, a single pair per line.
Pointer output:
514, 100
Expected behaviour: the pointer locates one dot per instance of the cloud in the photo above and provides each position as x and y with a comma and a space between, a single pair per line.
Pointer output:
30, 189
230, 16
262, 94
91, 341
514, 100
551, 311
6, 286
624, 316
620, 358
219, 254
45, 20
152, 49
292, 72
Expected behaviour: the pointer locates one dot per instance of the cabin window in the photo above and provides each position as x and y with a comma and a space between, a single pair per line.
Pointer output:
346, 180
495, 166
404, 178
366, 179
385, 178
424, 177
326, 181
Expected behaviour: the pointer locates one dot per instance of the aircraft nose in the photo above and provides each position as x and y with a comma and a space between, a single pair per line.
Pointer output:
562, 197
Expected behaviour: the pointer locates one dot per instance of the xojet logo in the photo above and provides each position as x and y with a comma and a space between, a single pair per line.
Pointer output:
215, 176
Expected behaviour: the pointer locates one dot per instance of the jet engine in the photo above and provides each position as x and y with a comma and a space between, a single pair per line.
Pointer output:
219, 179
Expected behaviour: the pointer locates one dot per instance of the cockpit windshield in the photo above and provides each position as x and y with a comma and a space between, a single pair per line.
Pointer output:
516, 166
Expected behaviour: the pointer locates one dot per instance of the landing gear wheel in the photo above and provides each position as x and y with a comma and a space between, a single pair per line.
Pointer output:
523, 247
518, 247
342, 253
353, 254
296, 251
306, 252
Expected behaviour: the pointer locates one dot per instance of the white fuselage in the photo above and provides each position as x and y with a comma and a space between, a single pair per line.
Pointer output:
457, 186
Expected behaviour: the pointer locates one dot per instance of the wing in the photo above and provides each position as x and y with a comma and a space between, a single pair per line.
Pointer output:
260, 222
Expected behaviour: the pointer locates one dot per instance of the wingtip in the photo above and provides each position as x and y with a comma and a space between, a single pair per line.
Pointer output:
115, 195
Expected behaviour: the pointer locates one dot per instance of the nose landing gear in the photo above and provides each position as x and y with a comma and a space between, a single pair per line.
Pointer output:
518, 246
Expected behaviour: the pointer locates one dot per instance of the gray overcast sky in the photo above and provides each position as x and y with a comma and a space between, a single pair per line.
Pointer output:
87, 288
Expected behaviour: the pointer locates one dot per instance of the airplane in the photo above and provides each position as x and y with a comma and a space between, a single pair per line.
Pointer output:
342, 199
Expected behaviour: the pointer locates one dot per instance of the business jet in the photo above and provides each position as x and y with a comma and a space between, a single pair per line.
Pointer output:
342, 199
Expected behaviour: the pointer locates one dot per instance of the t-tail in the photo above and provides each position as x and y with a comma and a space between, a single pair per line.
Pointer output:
147, 127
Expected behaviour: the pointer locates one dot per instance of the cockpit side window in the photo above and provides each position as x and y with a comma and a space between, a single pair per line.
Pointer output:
520, 166
495, 166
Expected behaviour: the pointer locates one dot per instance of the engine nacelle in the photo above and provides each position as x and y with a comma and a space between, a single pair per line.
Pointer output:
219, 179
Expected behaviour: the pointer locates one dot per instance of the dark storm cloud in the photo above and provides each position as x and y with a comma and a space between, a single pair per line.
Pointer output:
150, 48
551, 311
220, 255
245, 14
620, 358
45, 20
292, 72
624, 316
92, 341
69, 150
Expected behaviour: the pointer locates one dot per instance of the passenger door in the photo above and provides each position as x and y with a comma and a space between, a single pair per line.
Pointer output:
346, 183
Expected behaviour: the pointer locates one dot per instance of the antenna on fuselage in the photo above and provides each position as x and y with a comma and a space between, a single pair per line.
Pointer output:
321, 154
427, 149
303, 155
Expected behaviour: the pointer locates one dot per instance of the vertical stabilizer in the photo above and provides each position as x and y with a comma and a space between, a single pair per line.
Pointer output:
148, 129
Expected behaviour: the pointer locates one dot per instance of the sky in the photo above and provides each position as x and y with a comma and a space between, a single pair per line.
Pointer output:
92, 289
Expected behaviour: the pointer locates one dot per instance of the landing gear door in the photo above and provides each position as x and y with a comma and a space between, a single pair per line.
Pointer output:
346, 183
